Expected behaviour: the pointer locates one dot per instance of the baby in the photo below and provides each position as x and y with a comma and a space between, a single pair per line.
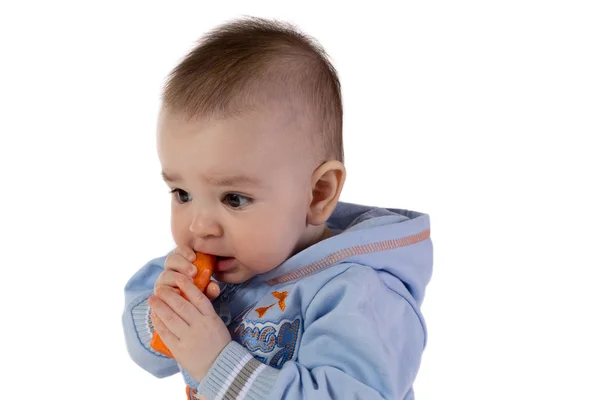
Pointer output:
316, 298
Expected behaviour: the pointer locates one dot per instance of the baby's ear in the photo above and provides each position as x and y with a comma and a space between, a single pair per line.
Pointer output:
327, 182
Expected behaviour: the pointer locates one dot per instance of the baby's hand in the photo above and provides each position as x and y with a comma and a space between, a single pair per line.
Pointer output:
180, 263
191, 329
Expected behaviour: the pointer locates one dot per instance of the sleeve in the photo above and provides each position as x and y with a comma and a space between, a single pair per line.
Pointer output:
361, 340
137, 326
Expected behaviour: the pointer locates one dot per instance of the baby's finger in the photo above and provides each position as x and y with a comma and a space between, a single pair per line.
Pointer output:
165, 334
186, 252
168, 278
176, 262
196, 297
212, 290
172, 289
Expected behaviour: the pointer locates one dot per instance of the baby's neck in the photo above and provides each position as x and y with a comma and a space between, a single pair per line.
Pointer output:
313, 235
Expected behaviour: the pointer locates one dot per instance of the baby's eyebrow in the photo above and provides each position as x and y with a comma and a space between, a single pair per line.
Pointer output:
220, 180
234, 180
169, 178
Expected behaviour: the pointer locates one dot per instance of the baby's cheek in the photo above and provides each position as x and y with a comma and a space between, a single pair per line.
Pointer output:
179, 230
263, 252
282, 246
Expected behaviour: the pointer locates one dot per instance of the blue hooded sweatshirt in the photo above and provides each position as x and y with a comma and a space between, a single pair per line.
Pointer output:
340, 319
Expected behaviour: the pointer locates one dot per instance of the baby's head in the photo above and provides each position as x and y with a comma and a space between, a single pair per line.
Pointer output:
250, 142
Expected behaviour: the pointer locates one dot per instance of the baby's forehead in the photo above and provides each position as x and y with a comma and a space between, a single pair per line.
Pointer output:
268, 138
274, 126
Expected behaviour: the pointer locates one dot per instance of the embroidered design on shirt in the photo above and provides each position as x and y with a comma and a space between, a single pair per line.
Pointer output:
286, 341
272, 343
281, 297
262, 310
256, 339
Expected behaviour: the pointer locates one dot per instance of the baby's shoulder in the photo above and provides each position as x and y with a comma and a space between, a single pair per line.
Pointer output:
343, 276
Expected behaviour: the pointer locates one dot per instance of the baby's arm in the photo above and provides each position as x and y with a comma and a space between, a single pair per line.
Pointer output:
138, 332
361, 340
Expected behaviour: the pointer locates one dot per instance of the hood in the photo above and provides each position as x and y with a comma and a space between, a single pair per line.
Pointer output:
395, 242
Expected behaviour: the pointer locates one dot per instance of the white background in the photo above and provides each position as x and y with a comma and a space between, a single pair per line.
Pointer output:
483, 114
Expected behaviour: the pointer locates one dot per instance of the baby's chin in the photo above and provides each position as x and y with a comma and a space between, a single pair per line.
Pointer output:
233, 271
234, 275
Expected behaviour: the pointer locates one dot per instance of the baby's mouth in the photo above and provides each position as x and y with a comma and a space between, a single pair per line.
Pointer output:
224, 263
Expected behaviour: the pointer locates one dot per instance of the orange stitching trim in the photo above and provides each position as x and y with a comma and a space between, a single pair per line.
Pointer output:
349, 252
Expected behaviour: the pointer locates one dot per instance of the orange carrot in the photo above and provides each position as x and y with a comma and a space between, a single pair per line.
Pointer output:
205, 264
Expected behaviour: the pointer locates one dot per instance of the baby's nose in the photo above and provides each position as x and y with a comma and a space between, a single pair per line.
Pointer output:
204, 226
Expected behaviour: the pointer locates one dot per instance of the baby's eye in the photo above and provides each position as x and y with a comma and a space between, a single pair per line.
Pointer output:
235, 200
181, 196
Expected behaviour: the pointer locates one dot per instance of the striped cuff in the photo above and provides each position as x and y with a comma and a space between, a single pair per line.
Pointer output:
143, 324
235, 374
